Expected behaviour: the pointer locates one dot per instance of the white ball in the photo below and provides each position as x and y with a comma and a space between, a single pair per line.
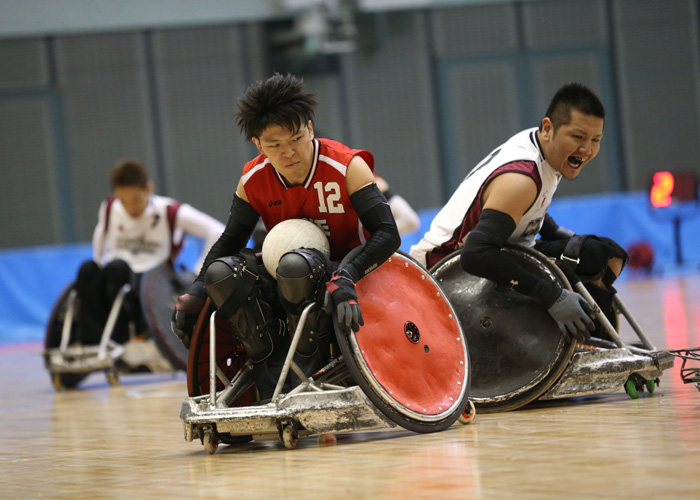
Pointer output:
289, 235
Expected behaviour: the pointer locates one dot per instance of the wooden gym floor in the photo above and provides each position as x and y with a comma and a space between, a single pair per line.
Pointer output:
126, 442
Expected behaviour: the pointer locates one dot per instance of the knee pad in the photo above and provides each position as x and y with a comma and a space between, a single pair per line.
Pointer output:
235, 286
229, 281
301, 277
118, 273
593, 253
87, 273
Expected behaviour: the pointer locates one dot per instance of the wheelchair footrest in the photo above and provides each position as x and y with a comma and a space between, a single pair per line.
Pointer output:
606, 370
330, 411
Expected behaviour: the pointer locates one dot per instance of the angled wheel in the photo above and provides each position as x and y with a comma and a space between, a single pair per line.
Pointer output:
410, 358
52, 340
159, 290
230, 357
516, 348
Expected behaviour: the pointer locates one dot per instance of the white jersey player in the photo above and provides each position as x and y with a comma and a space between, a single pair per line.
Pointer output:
505, 198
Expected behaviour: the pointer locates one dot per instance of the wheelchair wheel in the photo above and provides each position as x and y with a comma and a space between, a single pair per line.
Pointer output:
230, 357
410, 358
516, 348
52, 340
159, 290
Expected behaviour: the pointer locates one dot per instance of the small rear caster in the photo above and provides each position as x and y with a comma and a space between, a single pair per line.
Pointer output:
112, 378
467, 416
290, 436
57, 382
651, 385
327, 440
631, 388
210, 441
636, 383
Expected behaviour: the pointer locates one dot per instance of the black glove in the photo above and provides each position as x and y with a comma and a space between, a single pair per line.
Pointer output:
186, 311
573, 314
340, 292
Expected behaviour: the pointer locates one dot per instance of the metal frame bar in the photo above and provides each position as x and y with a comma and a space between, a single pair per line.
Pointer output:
68, 321
112, 320
212, 360
290, 354
611, 329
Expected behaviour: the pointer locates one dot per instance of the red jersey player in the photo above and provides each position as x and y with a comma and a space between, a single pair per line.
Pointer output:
296, 176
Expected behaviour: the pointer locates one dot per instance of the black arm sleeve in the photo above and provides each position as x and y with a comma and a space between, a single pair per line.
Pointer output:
375, 215
482, 256
551, 231
241, 221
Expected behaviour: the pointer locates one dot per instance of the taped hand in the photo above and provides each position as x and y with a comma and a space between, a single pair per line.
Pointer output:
573, 314
186, 311
340, 293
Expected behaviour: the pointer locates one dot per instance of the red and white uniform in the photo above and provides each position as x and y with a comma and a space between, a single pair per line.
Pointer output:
322, 198
154, 237
521, 153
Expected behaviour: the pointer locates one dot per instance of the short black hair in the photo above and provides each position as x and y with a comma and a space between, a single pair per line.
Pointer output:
573, 96
128, 173
279, 100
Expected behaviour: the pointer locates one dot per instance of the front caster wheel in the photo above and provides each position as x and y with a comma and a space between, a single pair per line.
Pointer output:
651, 385
210, 441
290, 436
632, 388
467, 416
112, 378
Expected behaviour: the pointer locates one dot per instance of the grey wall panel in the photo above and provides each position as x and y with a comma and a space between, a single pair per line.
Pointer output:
200, 74
562, 24
477, 30
23, 64
657, 43
30, 213
106, 108
429, 93
550, 73
481, 111
392, 109
330, 114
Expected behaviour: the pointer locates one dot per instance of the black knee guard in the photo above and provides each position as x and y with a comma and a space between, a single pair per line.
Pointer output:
117, 274
592, 254
88, 274
301, 278
236, 287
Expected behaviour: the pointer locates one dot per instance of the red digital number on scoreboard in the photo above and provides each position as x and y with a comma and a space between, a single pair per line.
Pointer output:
667, 187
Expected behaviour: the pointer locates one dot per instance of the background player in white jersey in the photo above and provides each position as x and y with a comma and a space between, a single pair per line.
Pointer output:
296, 176
504, 199
407, 220
136, 232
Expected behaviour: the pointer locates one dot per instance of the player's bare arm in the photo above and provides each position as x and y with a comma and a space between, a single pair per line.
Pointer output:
511, 193
358, 175
240, 191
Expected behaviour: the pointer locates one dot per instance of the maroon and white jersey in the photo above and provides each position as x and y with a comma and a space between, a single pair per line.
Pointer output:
322, 199
154, 237
521, 153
